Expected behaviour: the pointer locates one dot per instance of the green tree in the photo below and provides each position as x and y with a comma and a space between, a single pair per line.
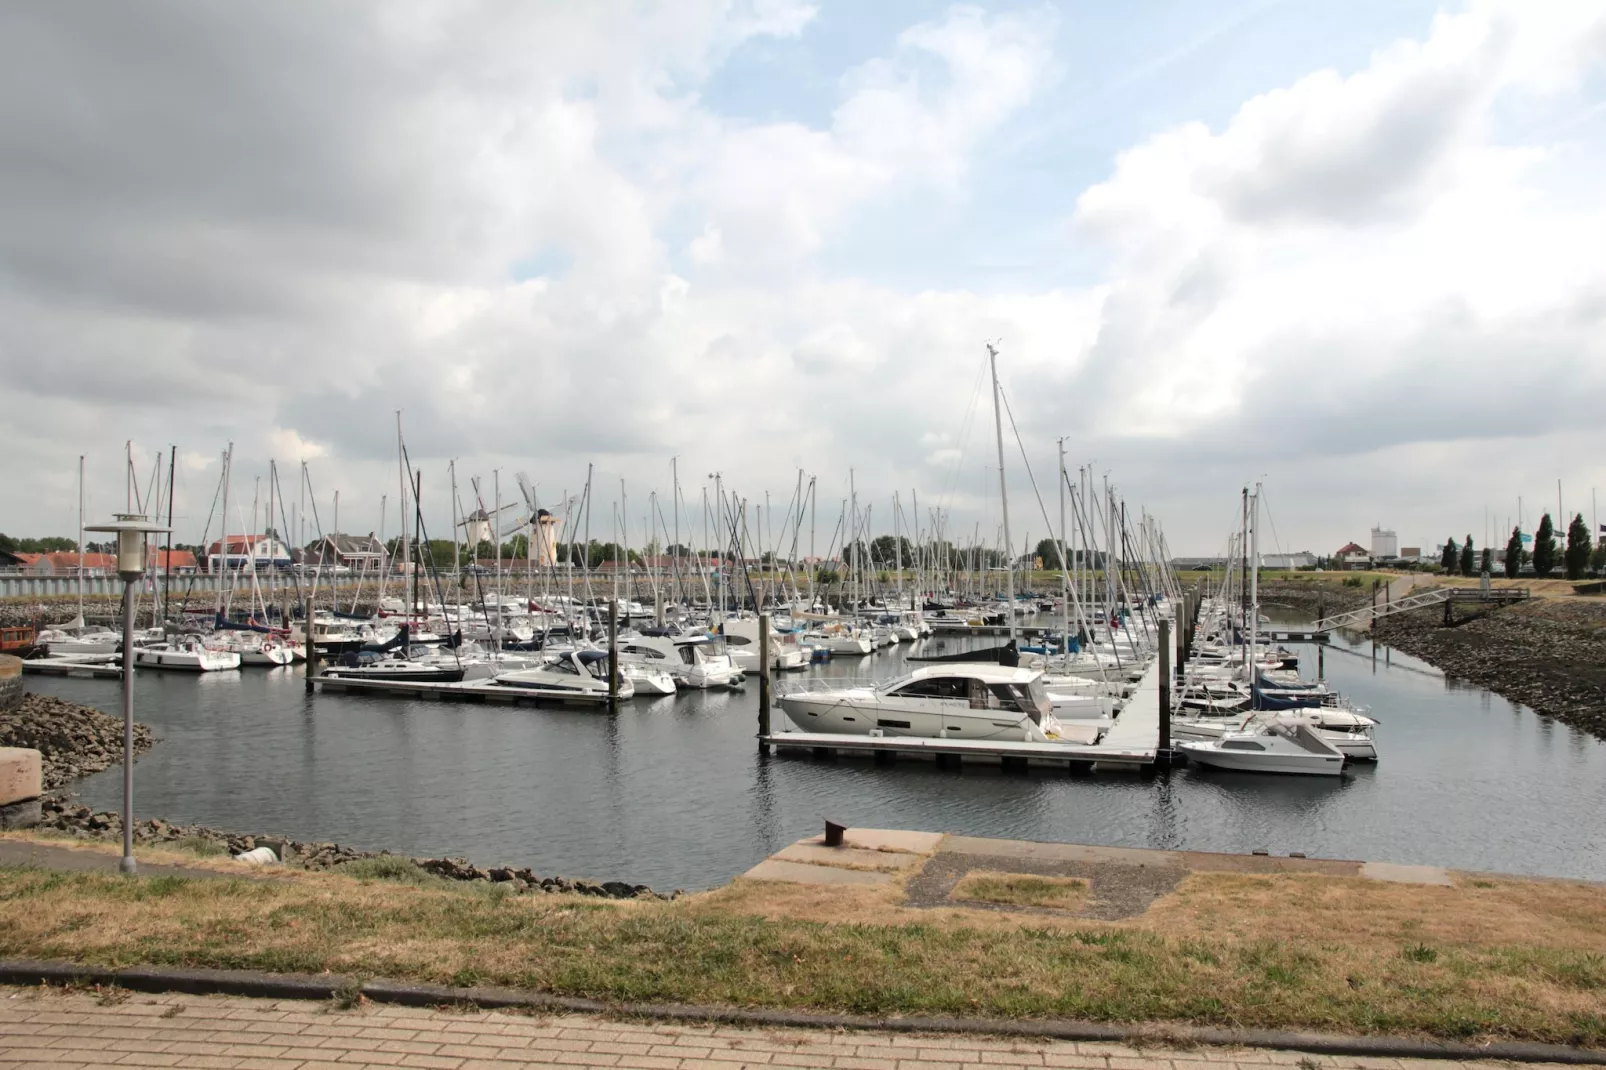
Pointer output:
1514, 553
1467, 560
1049, 551
1576, 557
1597, 559
885, 550
1544, 547
826, 576
1488, 560
1449, 558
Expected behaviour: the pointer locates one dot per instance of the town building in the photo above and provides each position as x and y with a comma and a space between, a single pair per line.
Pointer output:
1352, 555
258, 551
1385, 544
356, 552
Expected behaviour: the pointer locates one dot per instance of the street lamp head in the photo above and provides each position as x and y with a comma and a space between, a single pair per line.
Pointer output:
132, 531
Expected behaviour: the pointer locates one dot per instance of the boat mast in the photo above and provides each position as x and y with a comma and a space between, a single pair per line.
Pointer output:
1254, 580
1065, 575
167, 571
1003, 491
228, 465
457, 557
81, 542
1243, 585
401, 508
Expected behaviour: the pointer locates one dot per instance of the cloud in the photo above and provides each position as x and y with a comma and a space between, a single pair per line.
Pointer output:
529, 229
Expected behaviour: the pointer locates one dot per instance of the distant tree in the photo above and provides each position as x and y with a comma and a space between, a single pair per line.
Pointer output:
1467, 560
1597, 559
1450, 558
1576, 557
1488, 560
1514, 553
826, 576
1544, 547
1049, 551
50, 544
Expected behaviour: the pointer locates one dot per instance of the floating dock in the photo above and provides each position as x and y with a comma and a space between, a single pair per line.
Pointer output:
466, 691
1133, 741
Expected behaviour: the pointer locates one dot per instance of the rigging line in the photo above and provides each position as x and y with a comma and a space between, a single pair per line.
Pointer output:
1009, 551
184, 605
966, 426
1275, 541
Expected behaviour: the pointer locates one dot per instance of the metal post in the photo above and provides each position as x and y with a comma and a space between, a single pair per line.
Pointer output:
763, 682
127, 865
1165, 690
312, 651
613, 655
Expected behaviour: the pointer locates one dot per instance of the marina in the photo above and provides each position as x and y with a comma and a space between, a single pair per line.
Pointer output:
675, 786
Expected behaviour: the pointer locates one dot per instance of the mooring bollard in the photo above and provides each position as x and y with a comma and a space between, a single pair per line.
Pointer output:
613, 656
312, 651
763, 683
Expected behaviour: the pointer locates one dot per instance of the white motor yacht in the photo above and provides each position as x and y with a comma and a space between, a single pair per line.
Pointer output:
1274, 748
695, 661
741, 643
962, 700
572, 674
185, 653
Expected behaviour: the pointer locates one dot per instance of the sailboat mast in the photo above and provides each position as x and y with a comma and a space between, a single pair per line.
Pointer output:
81, 541
167, 571
1065, 573
401, 511
1003, 491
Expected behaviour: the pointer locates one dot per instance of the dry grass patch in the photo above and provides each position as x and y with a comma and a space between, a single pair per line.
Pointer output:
1022, 890
1274, 961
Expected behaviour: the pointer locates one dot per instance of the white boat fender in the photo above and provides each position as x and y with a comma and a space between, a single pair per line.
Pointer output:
261, 856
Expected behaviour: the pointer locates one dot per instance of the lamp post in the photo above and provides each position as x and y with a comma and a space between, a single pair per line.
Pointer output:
133, 533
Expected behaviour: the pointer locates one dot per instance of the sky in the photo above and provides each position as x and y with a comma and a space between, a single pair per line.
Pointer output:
1348, 249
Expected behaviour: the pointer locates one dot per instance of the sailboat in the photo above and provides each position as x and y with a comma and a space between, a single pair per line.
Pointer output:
73, 639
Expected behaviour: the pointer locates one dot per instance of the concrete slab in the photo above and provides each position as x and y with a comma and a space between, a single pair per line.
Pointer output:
20, 775
1062, 852
775, 869
848, 857
1392, 871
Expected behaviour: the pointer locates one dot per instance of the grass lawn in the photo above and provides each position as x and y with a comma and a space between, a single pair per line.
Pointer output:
1505, 958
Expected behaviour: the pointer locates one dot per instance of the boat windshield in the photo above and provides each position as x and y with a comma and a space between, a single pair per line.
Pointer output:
1029, 698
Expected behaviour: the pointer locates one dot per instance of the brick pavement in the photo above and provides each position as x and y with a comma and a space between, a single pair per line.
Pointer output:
47, 1028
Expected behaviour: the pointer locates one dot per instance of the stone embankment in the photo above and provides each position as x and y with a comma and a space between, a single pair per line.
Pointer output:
85, 823
1548, 654
1314, 596
73, 741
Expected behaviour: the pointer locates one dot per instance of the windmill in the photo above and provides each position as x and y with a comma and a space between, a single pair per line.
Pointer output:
481, 525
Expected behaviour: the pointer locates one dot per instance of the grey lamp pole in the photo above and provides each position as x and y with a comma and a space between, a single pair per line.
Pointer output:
133, 531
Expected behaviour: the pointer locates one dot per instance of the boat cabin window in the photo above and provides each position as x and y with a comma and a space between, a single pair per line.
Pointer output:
1241, 744
952, 687
737, 640
564, 665
647, 652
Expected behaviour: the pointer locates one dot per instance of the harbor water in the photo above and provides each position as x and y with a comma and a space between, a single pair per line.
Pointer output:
673, 793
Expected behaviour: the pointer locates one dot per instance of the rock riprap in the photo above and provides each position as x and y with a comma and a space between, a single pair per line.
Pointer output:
84, 823
73, 741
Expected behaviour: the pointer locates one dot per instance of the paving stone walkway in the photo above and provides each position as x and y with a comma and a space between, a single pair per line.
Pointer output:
48, 1028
